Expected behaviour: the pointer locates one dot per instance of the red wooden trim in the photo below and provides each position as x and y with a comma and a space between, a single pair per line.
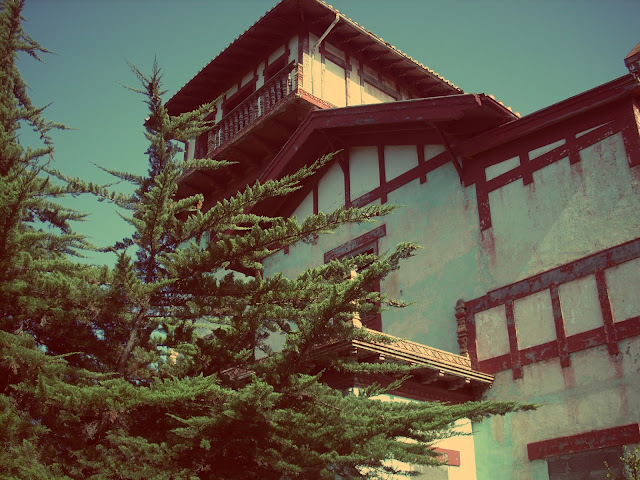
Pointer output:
448, 456
316, 202
514, 352
346, 172
242, 90
272, 68
609, 437
586, 340
383, 174
607, 314
579, 268
334, 58
374, 82
400, 180
589, 100
495, 364
450, 151
482, 199
631, 136
538, 353
423, 175
574, 151
437, 109
525, 166
627, 328
550, 157
471, 342
356, 244
561, 334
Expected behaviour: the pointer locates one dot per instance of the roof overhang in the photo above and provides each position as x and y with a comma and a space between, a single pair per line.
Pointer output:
285, 20
608, 93
461, 115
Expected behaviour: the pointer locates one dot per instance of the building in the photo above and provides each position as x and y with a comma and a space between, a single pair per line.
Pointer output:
529, 279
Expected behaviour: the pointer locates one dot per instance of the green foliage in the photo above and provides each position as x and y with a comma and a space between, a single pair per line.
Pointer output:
148, 370
631, 462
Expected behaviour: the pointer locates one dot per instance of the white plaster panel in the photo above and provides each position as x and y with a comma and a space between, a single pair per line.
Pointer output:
536, 152
431, 151
231, 91
191, 148
568, 212
580, 305
623, 282
492, 338
276, 54
499, 168
260, 79
399, 159
247, 78
364, 173
293, 49
534, 319
305, 208
371, 94
331, 189
334, 87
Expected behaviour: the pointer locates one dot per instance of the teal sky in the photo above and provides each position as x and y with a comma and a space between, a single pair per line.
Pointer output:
528, 54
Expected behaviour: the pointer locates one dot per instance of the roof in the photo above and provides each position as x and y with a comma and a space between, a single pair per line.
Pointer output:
280, 23
474, 112
596, 97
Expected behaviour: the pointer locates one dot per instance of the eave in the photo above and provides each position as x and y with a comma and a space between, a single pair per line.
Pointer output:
458, 115
285, 20
600, 96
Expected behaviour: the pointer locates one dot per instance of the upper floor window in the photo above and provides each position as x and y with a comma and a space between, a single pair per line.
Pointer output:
237, 98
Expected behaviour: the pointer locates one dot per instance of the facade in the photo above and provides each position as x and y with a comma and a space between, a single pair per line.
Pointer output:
528, 284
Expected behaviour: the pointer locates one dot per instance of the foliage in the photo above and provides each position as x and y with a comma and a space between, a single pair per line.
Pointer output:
631, 462
147, 370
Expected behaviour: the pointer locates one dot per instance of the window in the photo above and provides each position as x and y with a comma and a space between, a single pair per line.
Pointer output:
237, 98
364, 244
274, 67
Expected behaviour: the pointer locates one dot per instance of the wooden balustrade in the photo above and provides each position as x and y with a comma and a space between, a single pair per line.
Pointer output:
261, 102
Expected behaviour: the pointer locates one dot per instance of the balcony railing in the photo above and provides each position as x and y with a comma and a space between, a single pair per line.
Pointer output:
259, 104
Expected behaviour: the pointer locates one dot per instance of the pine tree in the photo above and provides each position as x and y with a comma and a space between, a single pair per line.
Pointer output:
149, 370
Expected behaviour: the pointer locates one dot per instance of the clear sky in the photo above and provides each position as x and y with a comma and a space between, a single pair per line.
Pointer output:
528, 54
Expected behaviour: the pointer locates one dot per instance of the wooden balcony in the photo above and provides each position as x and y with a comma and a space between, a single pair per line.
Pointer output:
252, 133
259, 105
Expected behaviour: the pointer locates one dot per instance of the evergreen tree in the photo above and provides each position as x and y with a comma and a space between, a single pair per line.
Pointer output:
148, 370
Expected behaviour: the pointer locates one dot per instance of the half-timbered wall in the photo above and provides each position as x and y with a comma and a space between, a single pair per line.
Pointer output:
542, 240
560, 232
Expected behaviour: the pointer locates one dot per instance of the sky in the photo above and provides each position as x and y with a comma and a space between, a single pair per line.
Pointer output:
528, 54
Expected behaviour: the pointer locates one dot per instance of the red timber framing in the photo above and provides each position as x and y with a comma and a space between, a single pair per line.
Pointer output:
576, 123
423, 114
609, 437
609, 334
367, 242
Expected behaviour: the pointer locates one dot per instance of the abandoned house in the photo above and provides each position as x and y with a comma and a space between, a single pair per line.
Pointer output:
528, 285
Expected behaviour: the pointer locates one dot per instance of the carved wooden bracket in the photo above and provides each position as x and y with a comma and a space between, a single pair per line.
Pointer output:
461, 316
